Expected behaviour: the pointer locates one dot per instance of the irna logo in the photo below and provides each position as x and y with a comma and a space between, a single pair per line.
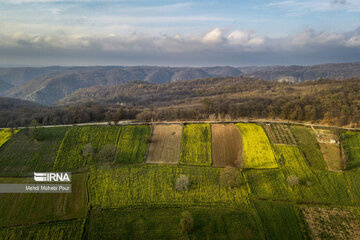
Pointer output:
52, 177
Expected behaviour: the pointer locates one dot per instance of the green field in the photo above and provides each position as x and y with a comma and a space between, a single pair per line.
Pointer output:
307, 143
5, 135
66, 230
280, 220
130, 199
318, 186
149, 185
70, 154
30, 208
132, 144
351, 143
353, 181
163, 223
23, 156
196, 145
268, 184
257, 150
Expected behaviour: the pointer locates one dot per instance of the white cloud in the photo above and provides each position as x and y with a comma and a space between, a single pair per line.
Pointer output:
215, 45
214, 36
353, 41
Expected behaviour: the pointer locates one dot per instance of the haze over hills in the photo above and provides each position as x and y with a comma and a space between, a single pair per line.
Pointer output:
48, 88
296, 73
50, 84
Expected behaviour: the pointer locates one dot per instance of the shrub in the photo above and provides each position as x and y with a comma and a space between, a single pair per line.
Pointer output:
293, 180
239, 163
34, 131
182, 183
187, 222
107, 153
229, 177
87, 150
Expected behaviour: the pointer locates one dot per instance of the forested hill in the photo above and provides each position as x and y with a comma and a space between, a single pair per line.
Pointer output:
48, 87
50, 84
331, 102
297, 73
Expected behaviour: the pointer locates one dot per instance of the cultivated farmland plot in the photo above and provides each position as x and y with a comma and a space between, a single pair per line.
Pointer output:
330, 149
5, 135
23, 156
163, 223
226, 145
280, 220
280, 134
332, 157
351, 143
70, 155
314, 186
257, 150
307, 143
30, 208
331, 223
154, 184
165, 144
196, 145
67, 230
132, 144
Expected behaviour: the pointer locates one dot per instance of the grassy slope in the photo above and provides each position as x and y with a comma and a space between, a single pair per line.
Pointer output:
308, 145
196, 145
209, 223
351, 143
70, 152
67, 230
154, 184
257, 150
27, 208
132, 144
22, 156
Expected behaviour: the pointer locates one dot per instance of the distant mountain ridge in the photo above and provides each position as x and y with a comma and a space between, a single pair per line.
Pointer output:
49, 88
296, 73
48, 85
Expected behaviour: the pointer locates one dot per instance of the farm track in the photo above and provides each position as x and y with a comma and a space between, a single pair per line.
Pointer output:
132, 122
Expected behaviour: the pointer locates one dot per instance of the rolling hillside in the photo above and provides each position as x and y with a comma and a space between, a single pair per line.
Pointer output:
297, 73
48, 88
50, 84
284, 195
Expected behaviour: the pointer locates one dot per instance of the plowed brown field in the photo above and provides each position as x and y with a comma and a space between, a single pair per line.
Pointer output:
226, 145
165, 144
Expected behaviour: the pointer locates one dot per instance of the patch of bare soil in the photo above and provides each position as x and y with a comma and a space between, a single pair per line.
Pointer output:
165, 144
226, 145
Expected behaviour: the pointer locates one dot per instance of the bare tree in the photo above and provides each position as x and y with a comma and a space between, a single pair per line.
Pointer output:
229, 177
182, 183
88, 150
187, 222
107, 153
293, 180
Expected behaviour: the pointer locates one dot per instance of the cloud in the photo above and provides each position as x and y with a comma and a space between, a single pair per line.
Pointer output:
215, 47
214, 36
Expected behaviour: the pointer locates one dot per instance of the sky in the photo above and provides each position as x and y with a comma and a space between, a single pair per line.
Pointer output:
178, 33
